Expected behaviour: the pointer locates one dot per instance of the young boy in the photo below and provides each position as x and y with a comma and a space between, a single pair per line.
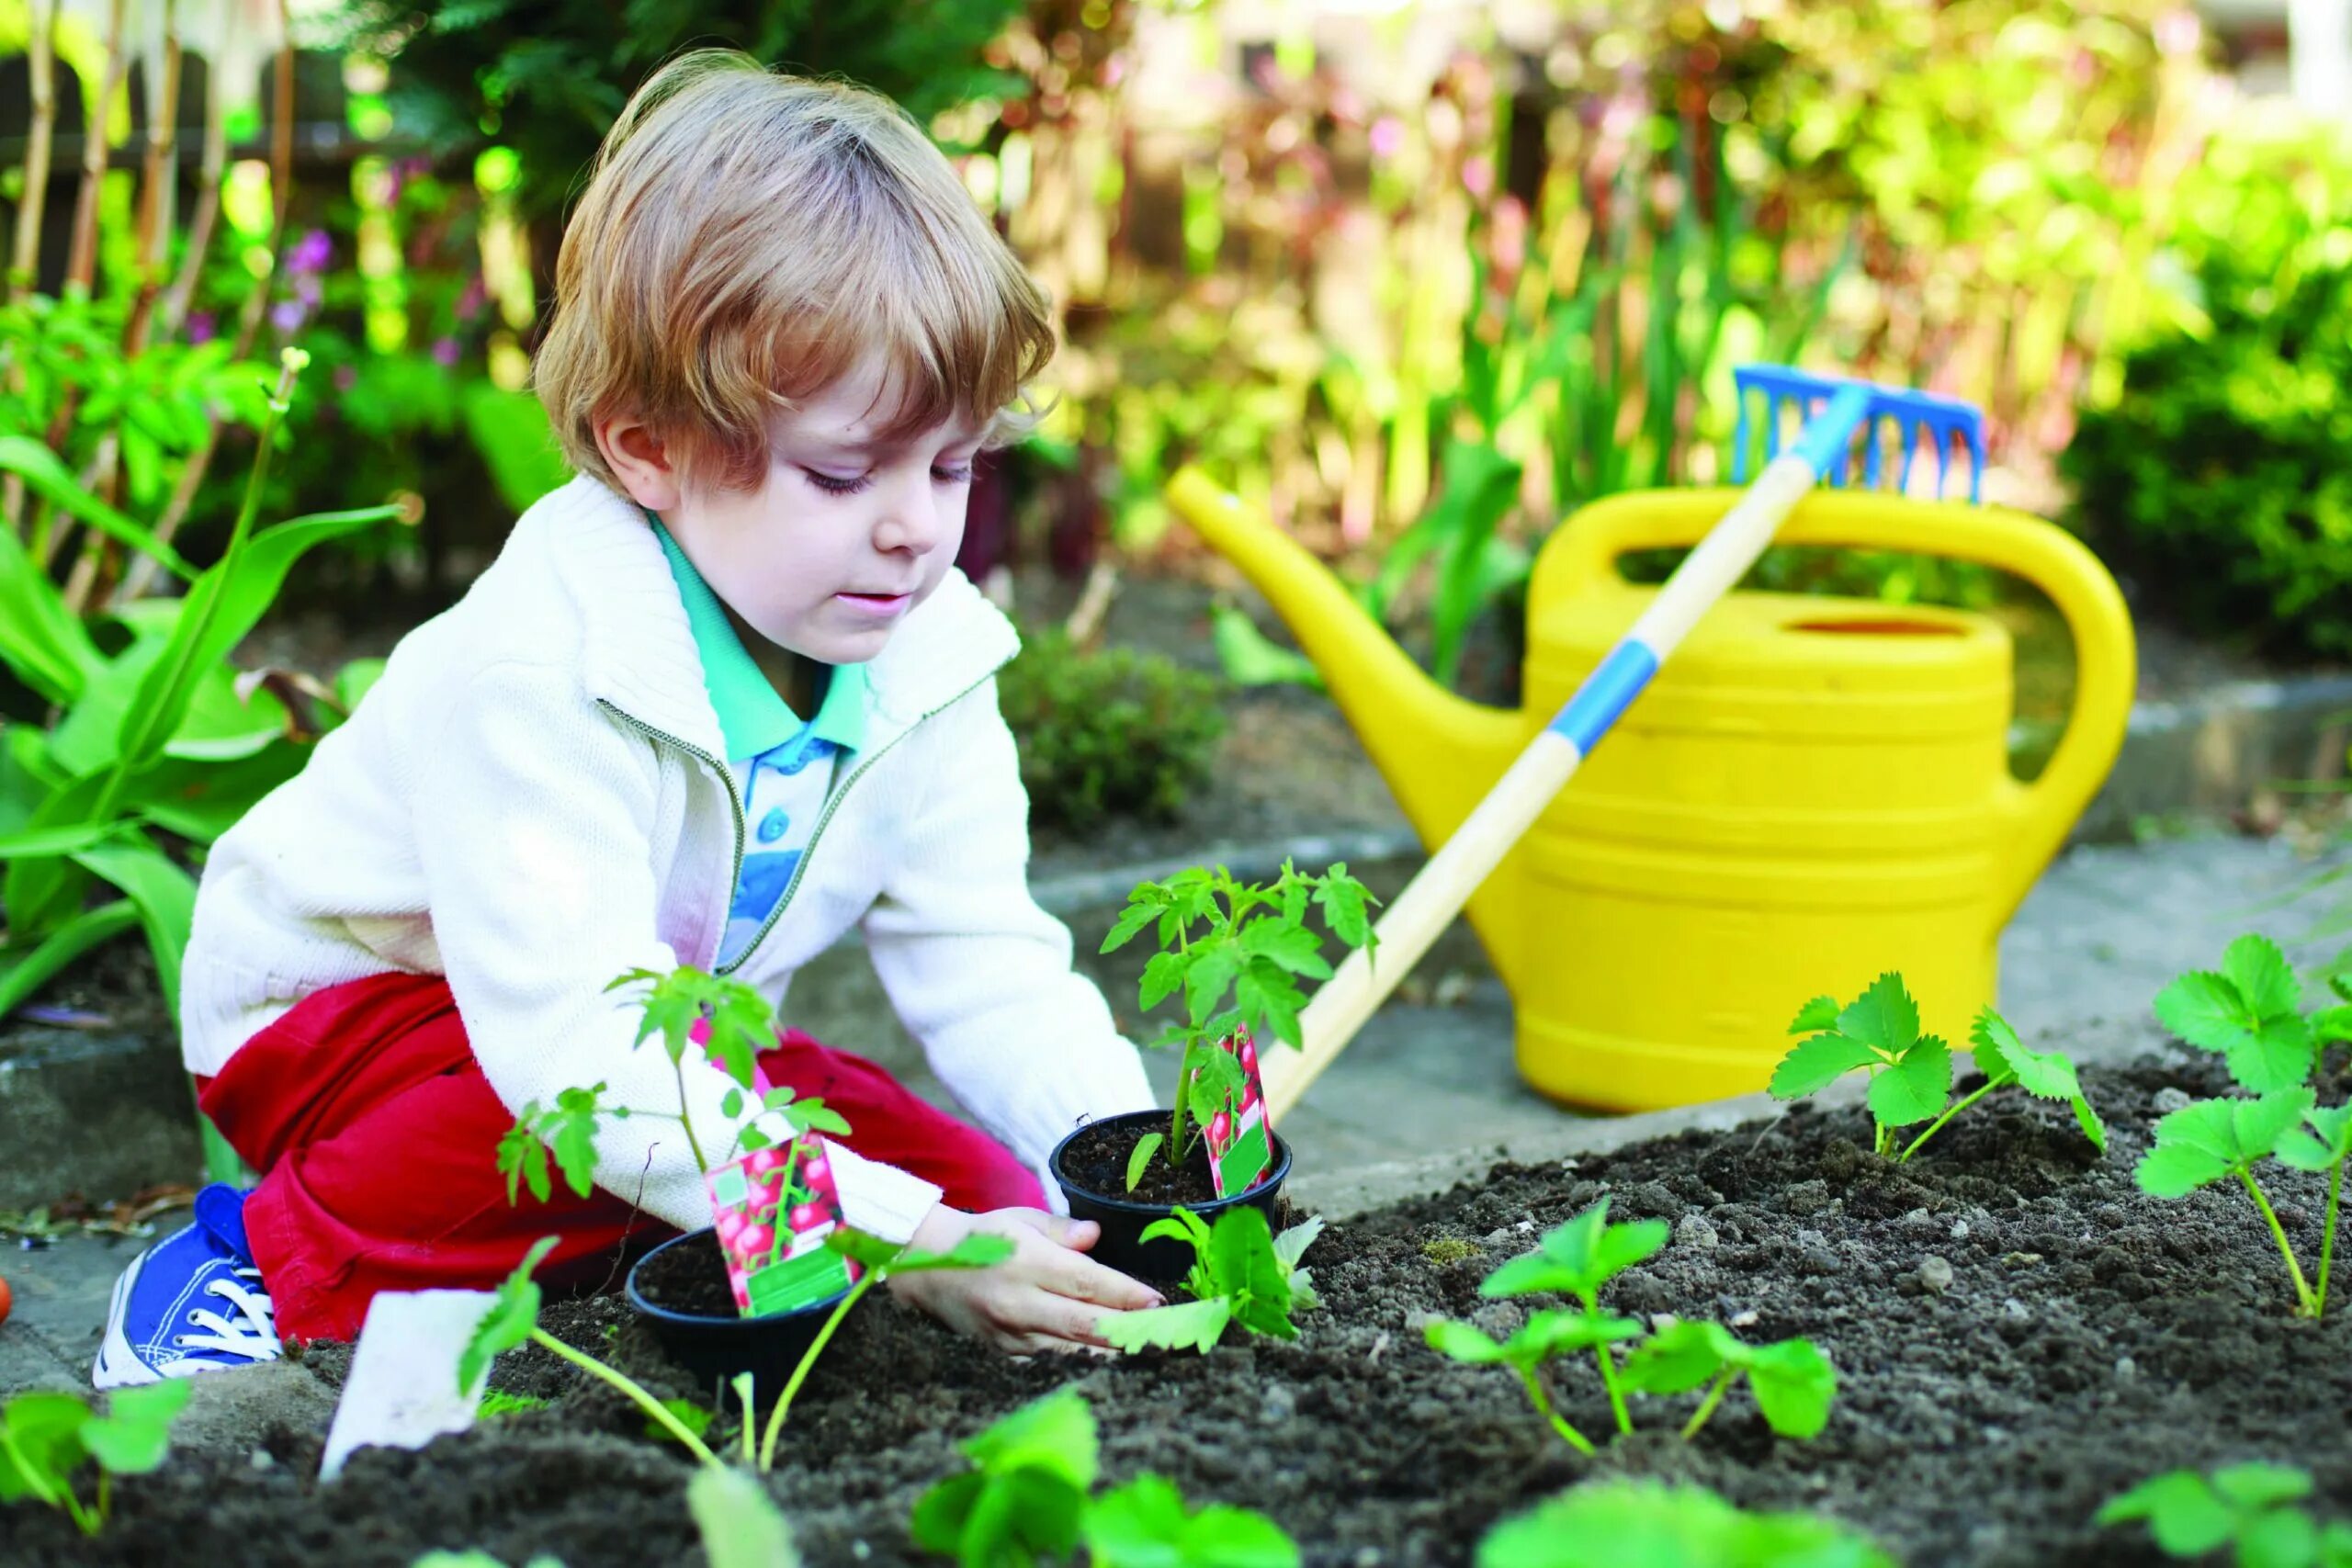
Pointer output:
720, 698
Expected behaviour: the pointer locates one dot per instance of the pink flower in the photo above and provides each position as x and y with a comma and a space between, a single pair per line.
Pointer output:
444, 352
201, 327
1387, 135
311, 252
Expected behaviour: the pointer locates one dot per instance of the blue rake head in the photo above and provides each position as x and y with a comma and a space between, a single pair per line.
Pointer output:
1915, 416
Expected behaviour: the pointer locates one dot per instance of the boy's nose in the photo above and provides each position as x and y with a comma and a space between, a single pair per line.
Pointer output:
911, 519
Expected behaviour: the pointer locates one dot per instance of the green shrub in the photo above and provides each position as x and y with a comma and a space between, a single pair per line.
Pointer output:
1114, 733
2217, 479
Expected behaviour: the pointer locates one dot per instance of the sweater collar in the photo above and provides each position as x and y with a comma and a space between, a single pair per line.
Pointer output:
637, 644
753, 715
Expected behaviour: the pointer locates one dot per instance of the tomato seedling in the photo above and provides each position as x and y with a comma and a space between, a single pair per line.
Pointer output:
1252, 945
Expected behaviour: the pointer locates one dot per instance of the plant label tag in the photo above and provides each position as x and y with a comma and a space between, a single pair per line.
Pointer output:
1241, 1147
401, 1391
774, 1209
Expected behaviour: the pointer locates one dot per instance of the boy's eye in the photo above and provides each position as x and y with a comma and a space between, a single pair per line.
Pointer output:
953, 474
833, 485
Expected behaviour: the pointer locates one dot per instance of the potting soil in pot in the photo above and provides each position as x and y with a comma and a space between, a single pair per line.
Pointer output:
2019, 1334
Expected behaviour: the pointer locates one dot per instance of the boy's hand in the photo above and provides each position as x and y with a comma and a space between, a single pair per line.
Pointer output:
1046, 1296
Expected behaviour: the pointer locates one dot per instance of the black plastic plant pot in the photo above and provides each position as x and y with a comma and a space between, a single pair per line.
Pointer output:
716, 1349
1124, 1220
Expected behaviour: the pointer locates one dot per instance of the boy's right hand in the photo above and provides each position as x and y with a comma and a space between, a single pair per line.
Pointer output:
1046, 1296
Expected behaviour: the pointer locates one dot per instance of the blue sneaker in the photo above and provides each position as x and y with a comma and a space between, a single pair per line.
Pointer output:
193, 1302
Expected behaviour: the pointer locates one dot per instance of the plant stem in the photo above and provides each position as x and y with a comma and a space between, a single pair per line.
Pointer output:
1607, 1361
2302, 1290
808, 1360
1707, 1405
1183, 1098
2327, 1237
105, 1494
1913, 1147
35, 1482
1542, 1403
746, 1385
678, 1067
654, 1408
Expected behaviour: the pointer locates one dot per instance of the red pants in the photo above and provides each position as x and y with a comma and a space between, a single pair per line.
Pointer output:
376, 1135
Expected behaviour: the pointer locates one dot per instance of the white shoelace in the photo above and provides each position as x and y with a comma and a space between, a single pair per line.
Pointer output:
250, 1329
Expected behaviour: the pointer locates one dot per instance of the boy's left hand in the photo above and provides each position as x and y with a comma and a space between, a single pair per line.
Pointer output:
1047, 1296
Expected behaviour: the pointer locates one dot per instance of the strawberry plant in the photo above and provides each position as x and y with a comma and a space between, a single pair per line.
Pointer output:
1242, 1273
2250, 1014
1236, 952
1911, 1073
2247, 1507
46, 1437
731, 1023
1029, 1498
1793, 1382
1646, 1524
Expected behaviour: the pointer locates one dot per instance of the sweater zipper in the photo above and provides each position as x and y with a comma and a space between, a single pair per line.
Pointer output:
717, 770
832, 804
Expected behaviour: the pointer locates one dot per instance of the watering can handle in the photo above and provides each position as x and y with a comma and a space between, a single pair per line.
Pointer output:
1586, 557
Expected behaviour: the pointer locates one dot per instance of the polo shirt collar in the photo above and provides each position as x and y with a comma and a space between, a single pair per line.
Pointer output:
751, 717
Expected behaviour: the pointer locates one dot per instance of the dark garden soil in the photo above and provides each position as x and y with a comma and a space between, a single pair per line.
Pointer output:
1097, 1160
2019, 1334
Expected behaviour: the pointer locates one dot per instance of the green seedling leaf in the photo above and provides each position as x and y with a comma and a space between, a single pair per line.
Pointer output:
1578, 1256
739, 1524
1246, 1272
971, 1252
134, 1434
1294, 949
1885, 1016
1130, 924
1145, 1524
1289, 1247
2202, 1143
2322, 1142
1342, 900
2246, 1013
2003, 1058
1917, 1086
2331, 1024
499, 1402
1548, 1332
1818, 1016
2191, 1515
41, 1445
523, 1158
513, 1313
1162, 977
1180, 1326
1056, 1434
695, 1419
1645, 1523
1818, 1062
1795, 1385
1680, 1357
1140, 1157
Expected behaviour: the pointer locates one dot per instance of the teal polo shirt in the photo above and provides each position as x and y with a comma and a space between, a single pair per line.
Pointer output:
785, 766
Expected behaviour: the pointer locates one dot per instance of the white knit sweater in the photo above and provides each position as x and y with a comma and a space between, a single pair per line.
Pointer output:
533, 800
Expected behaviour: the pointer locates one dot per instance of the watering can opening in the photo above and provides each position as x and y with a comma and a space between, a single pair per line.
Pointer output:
1881, 627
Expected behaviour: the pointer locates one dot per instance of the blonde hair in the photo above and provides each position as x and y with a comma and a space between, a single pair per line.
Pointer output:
747, 238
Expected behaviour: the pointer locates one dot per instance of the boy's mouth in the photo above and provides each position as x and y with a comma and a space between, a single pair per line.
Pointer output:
876, 604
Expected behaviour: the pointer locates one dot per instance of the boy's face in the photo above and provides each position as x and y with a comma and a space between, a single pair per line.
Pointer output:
843, 536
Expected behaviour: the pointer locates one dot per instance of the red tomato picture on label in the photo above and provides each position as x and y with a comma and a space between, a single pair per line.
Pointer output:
1220, 1127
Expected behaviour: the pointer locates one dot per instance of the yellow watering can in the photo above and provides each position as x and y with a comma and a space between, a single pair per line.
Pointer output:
1814, 791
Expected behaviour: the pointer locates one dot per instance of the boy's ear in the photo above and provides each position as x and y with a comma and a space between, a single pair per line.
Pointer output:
640, 461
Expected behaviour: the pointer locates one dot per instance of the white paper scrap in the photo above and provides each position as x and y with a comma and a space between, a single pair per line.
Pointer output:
402, 1389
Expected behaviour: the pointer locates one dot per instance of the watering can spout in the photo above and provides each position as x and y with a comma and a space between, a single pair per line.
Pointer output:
1438, 753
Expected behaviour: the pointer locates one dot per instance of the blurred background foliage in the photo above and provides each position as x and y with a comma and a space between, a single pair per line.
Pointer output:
1421, 278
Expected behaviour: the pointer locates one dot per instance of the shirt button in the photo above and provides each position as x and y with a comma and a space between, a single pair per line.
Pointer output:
773, 825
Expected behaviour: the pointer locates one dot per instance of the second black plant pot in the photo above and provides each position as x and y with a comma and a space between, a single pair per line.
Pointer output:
1124, 1219
715, 1346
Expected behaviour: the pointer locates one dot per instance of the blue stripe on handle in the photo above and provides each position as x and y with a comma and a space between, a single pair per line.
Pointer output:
1606, 692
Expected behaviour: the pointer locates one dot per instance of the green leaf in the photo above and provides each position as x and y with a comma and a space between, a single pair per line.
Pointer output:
1208, 971
977, 1251
739, 1524
43, 1446
1130, 924
695, 1419
2331, 1023
1162, 977
2263, 977
523, 1157
573, 1124
1818, 1016
1817, 1063
47, 476
2003, 1057
1645, 1523
1885, 1016
1678, 1358
1461, 1341
1144, 1524
1181, 1325
2206, 1010
1242, 1264
941, 1513
164, 896
1996, 1047
2258, 1485
513, 1313
1140, 1156
2182, 1511
1915, 1088
22, 979
2325, 1143
1794, 1386
40, 641
1292, 1245
1054, 1434
2202, 1142
1341, 899
2279, 1054
1578, 1256
1291, 948
1270, 1004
